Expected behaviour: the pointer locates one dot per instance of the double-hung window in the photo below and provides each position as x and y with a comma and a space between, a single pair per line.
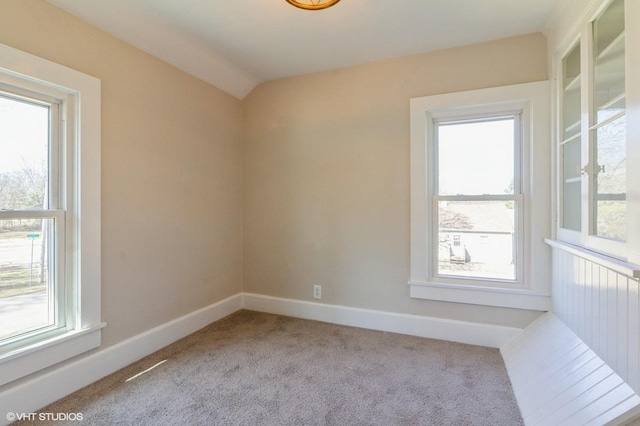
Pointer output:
49, 213
480, 195
32, 217
477, 198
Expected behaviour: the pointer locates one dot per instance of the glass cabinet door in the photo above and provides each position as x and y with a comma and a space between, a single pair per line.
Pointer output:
608, 129
570, 148
592, 179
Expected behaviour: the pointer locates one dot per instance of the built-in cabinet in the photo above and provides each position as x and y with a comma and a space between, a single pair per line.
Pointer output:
595, 46
592, 134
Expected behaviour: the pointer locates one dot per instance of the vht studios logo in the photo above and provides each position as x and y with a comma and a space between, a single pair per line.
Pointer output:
12, 417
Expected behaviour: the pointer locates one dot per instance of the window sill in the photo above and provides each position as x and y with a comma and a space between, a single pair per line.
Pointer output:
24, 361
474, 295
617, 265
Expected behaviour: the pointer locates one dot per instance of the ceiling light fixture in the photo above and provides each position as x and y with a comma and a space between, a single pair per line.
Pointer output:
312, 4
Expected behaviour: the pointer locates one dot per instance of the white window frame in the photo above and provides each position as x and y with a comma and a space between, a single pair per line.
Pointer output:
532, 289
78, 98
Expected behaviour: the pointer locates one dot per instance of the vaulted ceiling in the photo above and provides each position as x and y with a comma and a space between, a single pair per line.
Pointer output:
237, 44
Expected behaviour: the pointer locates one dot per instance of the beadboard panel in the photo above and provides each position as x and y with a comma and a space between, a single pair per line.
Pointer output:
558, 380
601, 306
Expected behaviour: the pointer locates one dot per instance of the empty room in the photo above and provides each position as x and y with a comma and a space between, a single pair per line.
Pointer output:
327, 212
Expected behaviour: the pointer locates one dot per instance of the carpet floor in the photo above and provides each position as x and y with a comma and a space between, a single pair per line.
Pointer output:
259, 369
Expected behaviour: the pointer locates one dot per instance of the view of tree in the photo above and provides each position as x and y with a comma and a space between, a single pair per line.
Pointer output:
23, 189
611, 178
450, 219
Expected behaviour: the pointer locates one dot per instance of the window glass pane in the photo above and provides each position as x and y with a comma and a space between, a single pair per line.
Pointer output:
477, 239
24, 146
25, 276
572, 185
571, 93
608, 26
476, 157
609, 72
610, 180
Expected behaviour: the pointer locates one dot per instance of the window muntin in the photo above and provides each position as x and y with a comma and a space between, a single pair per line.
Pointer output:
476, 198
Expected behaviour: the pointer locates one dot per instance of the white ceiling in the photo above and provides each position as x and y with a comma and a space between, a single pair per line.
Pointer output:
236, 44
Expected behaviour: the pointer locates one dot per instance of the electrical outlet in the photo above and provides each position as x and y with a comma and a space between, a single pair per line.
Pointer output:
317, 292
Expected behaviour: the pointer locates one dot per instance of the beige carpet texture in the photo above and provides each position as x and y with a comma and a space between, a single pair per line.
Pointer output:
260, 369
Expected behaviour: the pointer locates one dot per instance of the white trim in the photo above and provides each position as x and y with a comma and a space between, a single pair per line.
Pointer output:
533, 289
622, 267
42, 390
492, 296
80, 97
46, 353
632, 35
560, 28
493, 336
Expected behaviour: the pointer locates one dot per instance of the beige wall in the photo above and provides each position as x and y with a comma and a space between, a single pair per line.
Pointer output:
325, 183
171, 172
326, 176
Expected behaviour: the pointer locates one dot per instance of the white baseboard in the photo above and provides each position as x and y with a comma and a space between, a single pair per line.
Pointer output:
43, 389
493, 336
